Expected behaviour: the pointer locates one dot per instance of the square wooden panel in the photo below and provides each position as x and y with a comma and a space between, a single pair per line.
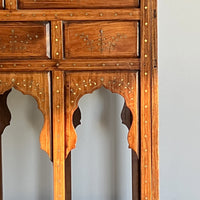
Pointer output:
101, 39
23, 4
24, 40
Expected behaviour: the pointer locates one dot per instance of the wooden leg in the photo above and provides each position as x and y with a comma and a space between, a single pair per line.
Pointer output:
135, 177
76, 122
68, 176
58, 136
5, 118
127, 119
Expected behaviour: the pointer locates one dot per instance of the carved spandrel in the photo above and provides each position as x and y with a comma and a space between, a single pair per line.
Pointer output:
101, 39
77, 85
36, 85
21, 40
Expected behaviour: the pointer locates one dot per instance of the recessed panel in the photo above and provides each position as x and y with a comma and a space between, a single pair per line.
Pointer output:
1, 4
24, 40
77, 3
101, 39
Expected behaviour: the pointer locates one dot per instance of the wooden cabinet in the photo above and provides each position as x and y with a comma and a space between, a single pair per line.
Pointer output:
57, 51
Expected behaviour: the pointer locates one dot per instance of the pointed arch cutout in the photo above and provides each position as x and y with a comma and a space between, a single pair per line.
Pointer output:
79, 84
36, 85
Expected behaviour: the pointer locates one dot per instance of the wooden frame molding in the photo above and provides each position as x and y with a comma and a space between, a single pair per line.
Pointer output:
59, 51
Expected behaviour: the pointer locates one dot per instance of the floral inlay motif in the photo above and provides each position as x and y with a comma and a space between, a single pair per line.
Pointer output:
92, 84
103, 42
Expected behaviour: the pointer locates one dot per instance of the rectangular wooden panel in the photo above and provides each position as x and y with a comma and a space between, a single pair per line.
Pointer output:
24, 40
24, 4
101, 39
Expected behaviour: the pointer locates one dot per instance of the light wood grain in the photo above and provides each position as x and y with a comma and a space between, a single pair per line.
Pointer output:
57, 40
71, 64
77, 4
155, 138
145, 102
11, 4
71, 14
58, 108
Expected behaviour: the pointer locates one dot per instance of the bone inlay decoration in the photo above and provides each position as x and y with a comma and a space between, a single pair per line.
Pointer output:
36, 85
103, 42
16, 43
124, 84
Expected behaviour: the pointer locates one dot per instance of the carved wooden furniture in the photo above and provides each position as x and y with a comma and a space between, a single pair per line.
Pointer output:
58, 50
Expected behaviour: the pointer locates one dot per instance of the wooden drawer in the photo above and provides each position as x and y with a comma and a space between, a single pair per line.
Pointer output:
101, 39
23, 4
21, 40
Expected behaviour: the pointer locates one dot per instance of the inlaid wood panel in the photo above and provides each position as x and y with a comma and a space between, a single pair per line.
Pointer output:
101, 39
123, 83
36, 85
77, 4
24, 40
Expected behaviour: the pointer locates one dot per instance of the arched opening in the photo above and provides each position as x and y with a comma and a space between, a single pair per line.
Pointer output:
27, 170
101, 162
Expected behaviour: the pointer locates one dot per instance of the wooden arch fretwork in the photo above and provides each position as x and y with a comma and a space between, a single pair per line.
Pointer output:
124, 84
36, 85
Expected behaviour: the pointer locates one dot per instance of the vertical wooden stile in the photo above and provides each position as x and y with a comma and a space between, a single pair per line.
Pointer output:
58, 135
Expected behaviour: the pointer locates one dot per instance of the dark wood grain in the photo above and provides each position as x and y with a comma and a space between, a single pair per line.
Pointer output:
126, 116
136, 189
77, 117
1, 4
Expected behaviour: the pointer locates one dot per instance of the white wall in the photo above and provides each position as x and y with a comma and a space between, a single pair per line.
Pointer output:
101, 163
27, 170
179, 78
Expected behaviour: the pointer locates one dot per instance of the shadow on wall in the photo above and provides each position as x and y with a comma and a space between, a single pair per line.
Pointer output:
101, 162
27, 170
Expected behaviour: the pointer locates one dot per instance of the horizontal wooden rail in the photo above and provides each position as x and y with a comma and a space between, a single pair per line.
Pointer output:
70, 14
70, 65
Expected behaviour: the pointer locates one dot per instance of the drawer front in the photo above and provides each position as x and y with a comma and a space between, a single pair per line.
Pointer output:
24, 40
101, 39
23, 4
